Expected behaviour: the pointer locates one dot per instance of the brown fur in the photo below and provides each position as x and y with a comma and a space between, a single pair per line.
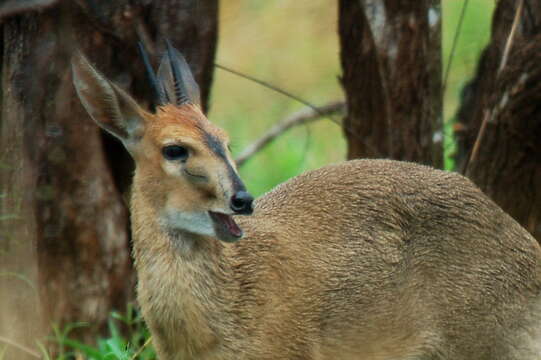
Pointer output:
368, 259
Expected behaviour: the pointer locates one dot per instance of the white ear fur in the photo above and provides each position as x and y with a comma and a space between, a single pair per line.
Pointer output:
108, 105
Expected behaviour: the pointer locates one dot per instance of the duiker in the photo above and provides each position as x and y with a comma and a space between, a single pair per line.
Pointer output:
367, 259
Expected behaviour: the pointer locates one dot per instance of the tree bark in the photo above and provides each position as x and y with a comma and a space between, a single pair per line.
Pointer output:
390, 53
64, 254
506, 95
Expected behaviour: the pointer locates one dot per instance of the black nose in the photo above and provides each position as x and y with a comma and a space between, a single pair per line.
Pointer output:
241, 203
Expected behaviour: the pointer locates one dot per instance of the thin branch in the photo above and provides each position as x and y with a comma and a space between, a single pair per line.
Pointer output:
20, 347
454, 45
511, 37
16, 7
267, 85
503, 62
140, 350
301, 117
299, 99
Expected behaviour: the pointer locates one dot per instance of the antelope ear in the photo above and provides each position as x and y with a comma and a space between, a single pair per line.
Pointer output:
108, 105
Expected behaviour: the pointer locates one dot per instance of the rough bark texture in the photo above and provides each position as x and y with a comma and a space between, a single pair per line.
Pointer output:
390, 54
508, 164
64, 253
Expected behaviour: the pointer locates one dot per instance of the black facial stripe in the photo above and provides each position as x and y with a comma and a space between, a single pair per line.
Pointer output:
217, 148
215, 145
238, 185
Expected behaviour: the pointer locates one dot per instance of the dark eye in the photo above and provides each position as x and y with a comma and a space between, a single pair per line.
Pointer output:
175, 152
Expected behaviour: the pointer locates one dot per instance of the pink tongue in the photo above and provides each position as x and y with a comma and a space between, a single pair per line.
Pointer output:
233, 227
230, 224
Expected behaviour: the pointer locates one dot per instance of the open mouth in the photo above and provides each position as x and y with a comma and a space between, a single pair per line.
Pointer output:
226, 228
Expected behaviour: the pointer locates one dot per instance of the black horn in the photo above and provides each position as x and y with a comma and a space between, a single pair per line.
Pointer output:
181, 93
159, 94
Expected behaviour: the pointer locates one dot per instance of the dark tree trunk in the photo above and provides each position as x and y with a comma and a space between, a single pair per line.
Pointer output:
64, 253
506, 95
390, 54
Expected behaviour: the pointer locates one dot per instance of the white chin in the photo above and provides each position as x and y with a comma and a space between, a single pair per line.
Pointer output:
198, 223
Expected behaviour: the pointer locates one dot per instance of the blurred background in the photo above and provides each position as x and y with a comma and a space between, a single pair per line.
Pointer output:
294, 45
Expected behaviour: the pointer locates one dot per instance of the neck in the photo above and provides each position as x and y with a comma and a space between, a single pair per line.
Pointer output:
151, 236
183, 282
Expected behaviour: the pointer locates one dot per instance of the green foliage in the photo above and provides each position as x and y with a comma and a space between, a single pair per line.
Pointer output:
291, 44
128, 339
473, 37
294, 45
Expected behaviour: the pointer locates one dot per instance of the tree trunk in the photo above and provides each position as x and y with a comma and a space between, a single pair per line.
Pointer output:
64, 254
390, 53
506, 95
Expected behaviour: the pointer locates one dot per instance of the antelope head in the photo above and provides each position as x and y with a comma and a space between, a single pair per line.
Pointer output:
184, 169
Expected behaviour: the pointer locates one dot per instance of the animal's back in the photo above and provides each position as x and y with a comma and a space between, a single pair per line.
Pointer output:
391, 260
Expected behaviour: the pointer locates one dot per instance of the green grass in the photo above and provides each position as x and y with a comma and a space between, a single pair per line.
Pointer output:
128, 339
